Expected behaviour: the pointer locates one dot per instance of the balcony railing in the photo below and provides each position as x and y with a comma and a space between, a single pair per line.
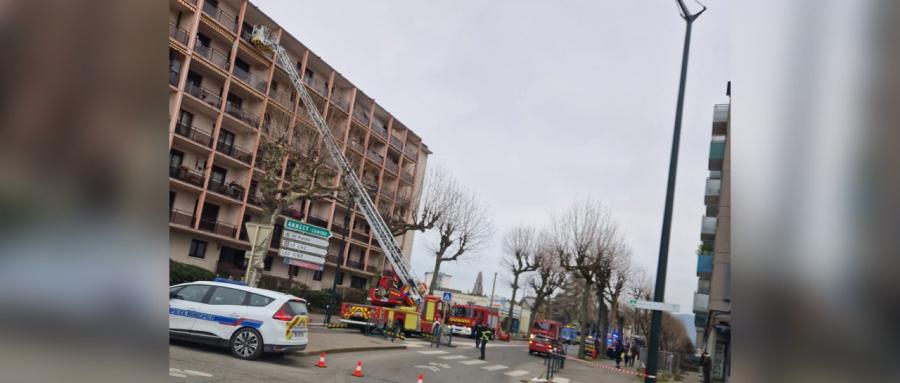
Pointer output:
396, 142
361, 113
179, 34
708, 228
720, 118
406, 176
375, 156
701, 303
704, 264
371, 269
255, 197
250, 79
318, 84
241, 114
283, 98
713, 189
403, 199
217, 57
181, 217
318, 221
203, 94
217, 227
356, 144
185, 174
230, 189
362, 237
380, 131
340, 101
392, 167
193, 133
222, 17
173, 78
387, 192
716, 152
355, 265
235, 152
411, 150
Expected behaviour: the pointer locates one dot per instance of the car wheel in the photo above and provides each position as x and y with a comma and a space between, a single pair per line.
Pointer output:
246, 344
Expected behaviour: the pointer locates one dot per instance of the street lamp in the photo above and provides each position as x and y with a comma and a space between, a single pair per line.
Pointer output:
660, 290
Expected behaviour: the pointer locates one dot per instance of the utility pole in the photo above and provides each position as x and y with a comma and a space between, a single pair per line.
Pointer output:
340, 257
493, 285
660, 290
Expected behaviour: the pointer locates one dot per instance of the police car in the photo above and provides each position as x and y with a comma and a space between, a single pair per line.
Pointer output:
247, 320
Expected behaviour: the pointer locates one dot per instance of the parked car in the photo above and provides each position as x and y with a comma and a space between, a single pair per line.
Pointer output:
247, 320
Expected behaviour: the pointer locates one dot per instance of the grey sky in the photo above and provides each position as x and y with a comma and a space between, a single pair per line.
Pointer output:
535, 103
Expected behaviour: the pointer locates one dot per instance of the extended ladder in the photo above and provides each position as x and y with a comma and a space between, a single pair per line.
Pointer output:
263, 38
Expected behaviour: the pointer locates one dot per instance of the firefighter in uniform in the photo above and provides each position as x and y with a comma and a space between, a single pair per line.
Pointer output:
484, 336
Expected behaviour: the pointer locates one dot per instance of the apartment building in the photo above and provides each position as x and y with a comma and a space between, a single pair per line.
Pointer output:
712, 301
224, 95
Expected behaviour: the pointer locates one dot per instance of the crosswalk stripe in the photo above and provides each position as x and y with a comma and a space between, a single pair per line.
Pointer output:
413, 345
473, 362
452, 357
495, 367
557, 379
517, 373
432, 352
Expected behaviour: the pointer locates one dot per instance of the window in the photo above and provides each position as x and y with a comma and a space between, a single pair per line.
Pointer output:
339, 278
226, 140
198, 249
193, 293
218, 176
308, 74
317, 275
235, 101
175, 158
213, 3
267, 264
194, 79
241, 64
357, 283
227, 296
171, 200
186, 118
203, 39
257, 300
274, 86
294, 270
296, 308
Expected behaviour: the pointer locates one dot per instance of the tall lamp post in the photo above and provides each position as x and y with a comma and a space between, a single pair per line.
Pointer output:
660, 290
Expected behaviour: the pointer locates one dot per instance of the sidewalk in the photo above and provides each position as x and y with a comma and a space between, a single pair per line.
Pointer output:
333, 341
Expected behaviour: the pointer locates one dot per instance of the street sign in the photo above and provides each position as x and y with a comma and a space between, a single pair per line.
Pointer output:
285, 253
305, 265
447, 296
651, 305
307, 239
306, 249
295, 225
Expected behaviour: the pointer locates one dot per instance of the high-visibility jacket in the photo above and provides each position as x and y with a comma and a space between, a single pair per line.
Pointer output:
485, 335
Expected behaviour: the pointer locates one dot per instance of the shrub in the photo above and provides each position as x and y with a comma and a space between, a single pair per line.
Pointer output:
183, 273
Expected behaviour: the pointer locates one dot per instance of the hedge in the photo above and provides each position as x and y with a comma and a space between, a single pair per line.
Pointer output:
183, 273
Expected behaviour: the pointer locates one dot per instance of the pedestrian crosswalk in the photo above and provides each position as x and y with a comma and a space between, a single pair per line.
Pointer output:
452, 357
451, 354
495, 367
472, 362
433, 352
517, 373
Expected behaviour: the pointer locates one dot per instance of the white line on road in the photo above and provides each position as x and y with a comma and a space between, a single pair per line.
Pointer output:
432, 368
414, 345
473, 362
198, 373
452, 357
495, 367
517, 373
557, 379
432, 352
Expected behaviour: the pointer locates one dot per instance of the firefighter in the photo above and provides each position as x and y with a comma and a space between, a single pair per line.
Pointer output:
476, 333
485, 336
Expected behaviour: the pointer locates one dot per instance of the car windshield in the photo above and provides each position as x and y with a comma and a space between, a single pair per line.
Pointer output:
542, 325
461, 312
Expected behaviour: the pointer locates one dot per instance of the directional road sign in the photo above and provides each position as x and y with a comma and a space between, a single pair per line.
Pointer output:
303, 248
303, 264
301, 256
295, 225
447, 296
304, 238
651, 305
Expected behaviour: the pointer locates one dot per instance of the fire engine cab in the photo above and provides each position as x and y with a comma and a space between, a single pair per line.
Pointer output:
392, 309
463, 319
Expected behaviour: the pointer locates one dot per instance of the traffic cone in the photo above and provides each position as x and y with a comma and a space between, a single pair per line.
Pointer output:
358, 372
421, 378
321, 363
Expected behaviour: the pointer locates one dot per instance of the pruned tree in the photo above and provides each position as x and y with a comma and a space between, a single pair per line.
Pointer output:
309, 174
519, 245
463, 227
639, 287
424, 212
548, 277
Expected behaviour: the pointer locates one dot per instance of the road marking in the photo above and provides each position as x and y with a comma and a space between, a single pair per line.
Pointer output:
495, 367
557, 379
433, 352
517, 373
432, 368
452, 357
177, 375
473, 362
198, 373
413, 345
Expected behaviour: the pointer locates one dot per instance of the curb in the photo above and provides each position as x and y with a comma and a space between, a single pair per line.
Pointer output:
349, 349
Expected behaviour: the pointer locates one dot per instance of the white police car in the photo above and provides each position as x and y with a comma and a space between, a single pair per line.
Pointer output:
247, 320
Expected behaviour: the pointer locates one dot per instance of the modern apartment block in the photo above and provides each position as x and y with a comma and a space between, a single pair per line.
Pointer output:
224, 95
712, 301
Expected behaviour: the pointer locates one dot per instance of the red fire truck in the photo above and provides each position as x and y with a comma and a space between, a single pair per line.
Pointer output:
463, 319
544, 337
391, 308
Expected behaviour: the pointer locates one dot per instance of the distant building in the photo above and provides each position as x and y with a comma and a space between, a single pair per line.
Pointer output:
712, 301
443, 280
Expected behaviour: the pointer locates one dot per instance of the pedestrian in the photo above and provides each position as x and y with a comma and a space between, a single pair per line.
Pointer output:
628, 355
485, 336
706, 364
618, 350
437, 335
395, 331
476, 333
635, 352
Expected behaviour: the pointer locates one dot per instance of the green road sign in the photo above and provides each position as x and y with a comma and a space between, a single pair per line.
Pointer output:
295, 225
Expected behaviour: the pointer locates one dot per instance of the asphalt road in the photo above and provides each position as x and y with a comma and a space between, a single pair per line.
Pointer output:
505, 363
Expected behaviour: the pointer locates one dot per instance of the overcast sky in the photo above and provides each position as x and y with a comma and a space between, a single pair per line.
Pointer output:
533, 104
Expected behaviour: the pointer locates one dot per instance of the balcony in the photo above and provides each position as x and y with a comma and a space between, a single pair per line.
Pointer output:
404, 199
356, 144
194, 133
396, 142
173, 78
235, 152
704, 265
331, 259
181, 217
411, 150
708, 228
215, 56
406, 176
340, 101
392, 167
361, 114
318, 84
250, 79
701, 303
375, 156
380, 131
721, 113
388, 192
282, 98
203, 94
371, 269
217, 227
185, 174
241, 114
713, 188
255, 197
318, 221
356, 265
362, 237
230, 189
178, 34
226, 19
716, 152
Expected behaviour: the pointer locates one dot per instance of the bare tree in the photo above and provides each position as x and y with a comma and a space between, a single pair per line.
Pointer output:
424, 212
639, 287
310, 174
549, 276
519, 244
463, 226
580, 235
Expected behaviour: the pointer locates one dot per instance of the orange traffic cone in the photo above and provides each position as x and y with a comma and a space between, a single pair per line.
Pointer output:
421, 378
358, 372
321, 363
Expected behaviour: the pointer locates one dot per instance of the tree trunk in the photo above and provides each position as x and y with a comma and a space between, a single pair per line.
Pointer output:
538, 302
258, 257
584, 318
512, 301
434, 275
602, 322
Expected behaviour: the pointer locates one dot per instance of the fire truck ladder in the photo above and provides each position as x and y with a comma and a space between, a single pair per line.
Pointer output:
264, 39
